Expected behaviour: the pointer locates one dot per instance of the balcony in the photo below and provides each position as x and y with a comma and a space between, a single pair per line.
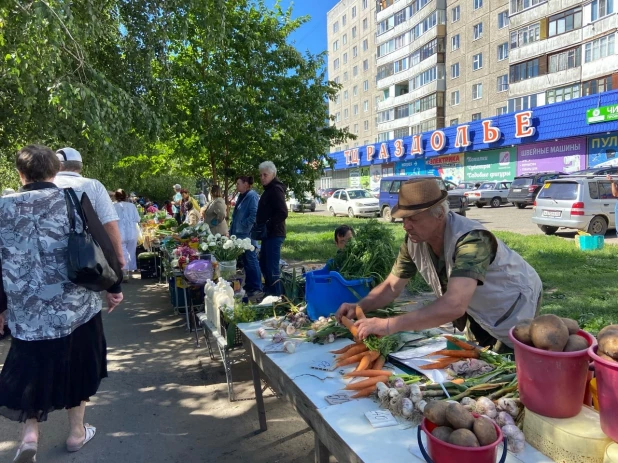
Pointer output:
438, 31
408, 73
412, 120
599, 68
432, 87
527, 16
390, 10
546, 46
555, 79
408, 23
607, 24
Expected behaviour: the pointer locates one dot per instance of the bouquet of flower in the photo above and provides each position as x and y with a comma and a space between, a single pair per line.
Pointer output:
226, 249
183, 255
201, 230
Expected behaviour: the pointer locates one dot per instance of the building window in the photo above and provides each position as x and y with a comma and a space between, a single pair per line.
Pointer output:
455, 14
604, 84
345, 58
336, 45
503, 83
365, 24
366, 65
522, 103
356, 128
556, 95
354, 71
477, 91
566, 60
455, 98
336, 26
354, 32
343, 20
345, 94
366, 105
477, 62
427, 77
336, 64
399, 17
477, 4
403, 132
366, 86
477, 31
355, 90
345, 39
503, 19
520, 5
337, 116
503, 51
354, 12
366, 125
356, 110
476, 116
565, 22
454, 121
337, 79
600, 48
525, 35
454, 70
455, 42
345, 76
354, 51
365, 45
501, 110
346, 113
525, 70
365, 3
601, 8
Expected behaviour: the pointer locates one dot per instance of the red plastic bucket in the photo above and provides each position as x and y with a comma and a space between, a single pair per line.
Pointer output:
607, 390
443, 452
552, 384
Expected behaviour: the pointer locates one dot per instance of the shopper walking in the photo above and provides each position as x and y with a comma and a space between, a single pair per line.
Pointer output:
270, 227
129, 229
243, 219
177, 203
215, 212
57, 357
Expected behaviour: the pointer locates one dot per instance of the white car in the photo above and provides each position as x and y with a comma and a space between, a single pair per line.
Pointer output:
294, 206
353, 202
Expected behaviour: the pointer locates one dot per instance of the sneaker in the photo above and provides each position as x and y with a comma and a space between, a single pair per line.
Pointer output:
256, 295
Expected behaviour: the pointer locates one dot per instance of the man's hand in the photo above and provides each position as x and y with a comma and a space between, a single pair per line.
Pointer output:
367, 326
346, 309
113, 300
2, 320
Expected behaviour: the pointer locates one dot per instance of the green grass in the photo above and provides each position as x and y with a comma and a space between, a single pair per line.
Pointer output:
579, 285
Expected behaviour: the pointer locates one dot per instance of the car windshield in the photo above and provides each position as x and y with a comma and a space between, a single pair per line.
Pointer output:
524, 181
559, 190
487, 186
359, 194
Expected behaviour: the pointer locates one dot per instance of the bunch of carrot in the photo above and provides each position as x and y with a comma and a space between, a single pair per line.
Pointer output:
451, 356
370, 363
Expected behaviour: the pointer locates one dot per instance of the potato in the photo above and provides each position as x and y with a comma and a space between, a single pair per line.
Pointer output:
609, 329
548, 332
463, 438
522, 332
575, 343
609, 345
571, 324
604, 356
435, 412
484, 430
459, 417
442, 432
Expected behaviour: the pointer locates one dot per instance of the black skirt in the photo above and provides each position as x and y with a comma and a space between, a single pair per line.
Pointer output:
39, 377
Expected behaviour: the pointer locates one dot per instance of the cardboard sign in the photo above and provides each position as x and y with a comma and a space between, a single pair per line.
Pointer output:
381, 418
340, 398
324, 365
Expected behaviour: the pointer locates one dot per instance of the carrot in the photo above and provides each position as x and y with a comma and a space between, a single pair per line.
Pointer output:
440, 364
368, 373
364, 392
349, 324
360, 385
366, 361
357, 358
457, 381
467, 354
359, 313
357, 349
459, 343
344, 349
379, 363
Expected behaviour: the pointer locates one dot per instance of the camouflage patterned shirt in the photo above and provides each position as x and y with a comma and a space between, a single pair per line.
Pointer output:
40, 300
474, 252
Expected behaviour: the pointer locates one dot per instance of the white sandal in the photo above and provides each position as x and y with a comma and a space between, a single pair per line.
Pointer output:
26, 453
90, 431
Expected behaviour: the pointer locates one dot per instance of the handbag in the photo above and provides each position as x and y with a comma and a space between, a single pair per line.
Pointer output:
259, 232
87, 265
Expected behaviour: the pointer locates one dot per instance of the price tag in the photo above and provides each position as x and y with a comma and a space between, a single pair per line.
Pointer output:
324, 365
381, 418
273, 347
340, 398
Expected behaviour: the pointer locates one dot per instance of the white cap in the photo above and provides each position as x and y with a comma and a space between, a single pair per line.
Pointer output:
177, 187
68, 154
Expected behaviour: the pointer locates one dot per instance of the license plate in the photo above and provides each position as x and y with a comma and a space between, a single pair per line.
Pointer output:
516, 190
552, 213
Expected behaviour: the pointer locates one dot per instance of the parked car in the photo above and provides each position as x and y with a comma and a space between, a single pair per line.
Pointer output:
389, 194
493, 193
525, 187
327, 193
308, 203
612, 170
467, 185
581, 203
461, 188
353, 202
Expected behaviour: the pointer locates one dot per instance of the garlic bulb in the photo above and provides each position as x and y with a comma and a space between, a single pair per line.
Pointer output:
503, 419
420, 405
289, 347
290, 330
469, 404
330, 338
484, 406
261, 332
515, 438
382, 390
415, 393
393, 393
278, 337
310, 333
407, 407
399, 383
510, 406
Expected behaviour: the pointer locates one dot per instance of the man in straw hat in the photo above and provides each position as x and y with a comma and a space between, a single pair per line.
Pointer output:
477, 279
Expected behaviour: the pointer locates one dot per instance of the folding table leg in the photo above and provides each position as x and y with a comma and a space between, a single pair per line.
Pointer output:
322, 455
259, 399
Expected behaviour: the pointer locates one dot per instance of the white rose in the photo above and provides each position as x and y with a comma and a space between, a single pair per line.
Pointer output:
252, 248
233, 237
228, 245
218, 236
204, 247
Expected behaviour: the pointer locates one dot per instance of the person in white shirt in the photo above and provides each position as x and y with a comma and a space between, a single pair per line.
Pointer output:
128, 224
70, 177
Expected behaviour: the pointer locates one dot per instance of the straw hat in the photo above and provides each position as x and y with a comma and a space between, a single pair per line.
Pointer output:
416, 196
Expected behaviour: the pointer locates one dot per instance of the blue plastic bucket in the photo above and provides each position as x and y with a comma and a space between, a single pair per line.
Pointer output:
591, 243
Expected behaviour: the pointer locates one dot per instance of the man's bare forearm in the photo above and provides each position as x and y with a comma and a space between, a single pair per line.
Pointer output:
114, 235
383, 294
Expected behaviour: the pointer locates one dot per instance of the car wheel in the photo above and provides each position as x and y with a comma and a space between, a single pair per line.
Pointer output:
351, 213
479, 205
313, 209
597, 226
495, 202
386, 214
520, 205
332, 211
548, 230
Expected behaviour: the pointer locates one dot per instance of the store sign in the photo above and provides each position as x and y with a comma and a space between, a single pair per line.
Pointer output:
449, 167
490, 165
561, 156
602, 114
602, 150
355, 178
413, 167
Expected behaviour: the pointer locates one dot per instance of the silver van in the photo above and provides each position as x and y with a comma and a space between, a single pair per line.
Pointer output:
578, 202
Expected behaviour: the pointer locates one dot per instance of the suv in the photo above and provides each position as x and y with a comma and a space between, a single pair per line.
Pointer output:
612, 170
582, 203
525, 187
389, 194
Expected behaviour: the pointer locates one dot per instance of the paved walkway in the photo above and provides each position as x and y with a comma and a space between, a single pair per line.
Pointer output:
159, 404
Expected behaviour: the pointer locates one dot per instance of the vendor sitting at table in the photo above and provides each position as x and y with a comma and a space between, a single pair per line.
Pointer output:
477, 279
343, 234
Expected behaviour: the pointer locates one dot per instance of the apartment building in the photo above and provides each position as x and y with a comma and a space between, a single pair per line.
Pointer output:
560, 50
410, 66
477, 59
351, 30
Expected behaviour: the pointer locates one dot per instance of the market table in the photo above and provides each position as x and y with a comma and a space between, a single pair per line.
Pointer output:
340, 430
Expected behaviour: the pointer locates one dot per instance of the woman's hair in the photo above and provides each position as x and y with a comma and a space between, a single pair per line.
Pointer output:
37, 163
120, 195
341, 231
184, 191
215, 191
268, 166
245, 178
